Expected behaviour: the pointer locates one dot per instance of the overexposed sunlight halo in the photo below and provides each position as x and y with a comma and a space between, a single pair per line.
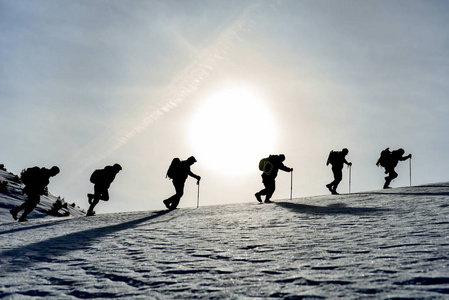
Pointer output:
232, 130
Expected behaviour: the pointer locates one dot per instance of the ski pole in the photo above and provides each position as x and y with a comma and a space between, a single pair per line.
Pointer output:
410, 164
198, 195
291, 184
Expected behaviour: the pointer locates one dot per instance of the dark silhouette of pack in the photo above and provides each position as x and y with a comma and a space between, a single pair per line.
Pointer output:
95, 177
333, 157
275, 164
30, 175
103, 176
385, 158
175, 168
35, 179
337, 158
265, 165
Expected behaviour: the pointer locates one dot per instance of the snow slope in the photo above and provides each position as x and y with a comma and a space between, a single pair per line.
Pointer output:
379, 244
14, 197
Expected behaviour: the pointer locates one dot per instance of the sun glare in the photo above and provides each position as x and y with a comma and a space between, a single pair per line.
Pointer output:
231, 131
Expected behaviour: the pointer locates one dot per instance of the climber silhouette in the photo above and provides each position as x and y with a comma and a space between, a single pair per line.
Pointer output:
389, 160
178, 172
337, 159
102, 179
270, 167
36, 180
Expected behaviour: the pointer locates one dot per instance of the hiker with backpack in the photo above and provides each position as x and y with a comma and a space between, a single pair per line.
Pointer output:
178, 172
102, 179
337, 159
389, 160
36, 180
270, 167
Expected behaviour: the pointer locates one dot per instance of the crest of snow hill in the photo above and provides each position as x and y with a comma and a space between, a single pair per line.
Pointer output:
11, 196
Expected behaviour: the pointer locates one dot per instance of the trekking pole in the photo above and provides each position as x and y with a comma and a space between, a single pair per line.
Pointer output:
350, 167
410, 164
291, 184
198, 196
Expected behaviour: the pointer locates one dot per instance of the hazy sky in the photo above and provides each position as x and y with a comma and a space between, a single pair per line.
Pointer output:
84, 84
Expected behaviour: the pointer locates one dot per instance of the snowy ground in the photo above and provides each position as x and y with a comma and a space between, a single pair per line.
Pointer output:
13, 196
381, 244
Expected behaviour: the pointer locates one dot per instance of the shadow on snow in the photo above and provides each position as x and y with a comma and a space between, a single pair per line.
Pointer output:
33, 226
412, 194
50, 249
332, 209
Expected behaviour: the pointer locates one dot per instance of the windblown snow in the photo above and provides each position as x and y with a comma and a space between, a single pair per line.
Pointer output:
379, 244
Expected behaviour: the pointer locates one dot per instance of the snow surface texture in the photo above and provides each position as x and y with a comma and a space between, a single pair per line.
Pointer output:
14, 197
381, 244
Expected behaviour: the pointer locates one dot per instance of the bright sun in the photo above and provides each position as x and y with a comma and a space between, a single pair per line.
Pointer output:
232, 131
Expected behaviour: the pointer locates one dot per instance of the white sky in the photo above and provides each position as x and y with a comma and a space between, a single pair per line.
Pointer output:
84, 84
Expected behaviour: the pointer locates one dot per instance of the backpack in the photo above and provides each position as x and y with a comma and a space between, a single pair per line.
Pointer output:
174, 168
30, 175
332, 157
266, 166
96, 176
384, 158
